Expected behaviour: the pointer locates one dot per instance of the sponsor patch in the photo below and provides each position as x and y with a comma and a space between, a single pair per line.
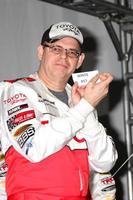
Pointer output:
20, 118
20, 130
25, 136
19, 97
17, 108
3, 165
50, 107
3, 169
46, 101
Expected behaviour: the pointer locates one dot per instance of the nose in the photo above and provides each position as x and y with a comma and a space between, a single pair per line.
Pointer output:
63, 53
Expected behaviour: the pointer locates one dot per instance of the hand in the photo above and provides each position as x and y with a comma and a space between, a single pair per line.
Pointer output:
77, 93
96, 90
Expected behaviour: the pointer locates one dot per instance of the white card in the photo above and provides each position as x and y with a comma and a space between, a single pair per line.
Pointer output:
83, 77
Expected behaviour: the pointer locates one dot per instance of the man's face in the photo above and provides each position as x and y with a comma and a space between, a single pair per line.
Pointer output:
60, 62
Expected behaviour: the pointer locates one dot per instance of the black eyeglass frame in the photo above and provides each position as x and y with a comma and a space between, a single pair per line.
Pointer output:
76, 53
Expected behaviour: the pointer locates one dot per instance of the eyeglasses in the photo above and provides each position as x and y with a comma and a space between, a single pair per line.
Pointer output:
56, 49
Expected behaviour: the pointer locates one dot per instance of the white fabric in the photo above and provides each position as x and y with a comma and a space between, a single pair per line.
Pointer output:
26, 104
63, 29
102, 186
60, 129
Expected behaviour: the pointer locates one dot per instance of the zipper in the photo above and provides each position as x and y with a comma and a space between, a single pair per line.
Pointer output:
81, 180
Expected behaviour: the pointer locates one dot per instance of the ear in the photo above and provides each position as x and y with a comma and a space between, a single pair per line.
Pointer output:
80, 60
40, 51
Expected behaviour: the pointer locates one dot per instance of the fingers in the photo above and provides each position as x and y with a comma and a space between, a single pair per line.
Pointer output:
106, 77
94, 79
96, 90
105, 80
102, 78
76, 93
74, 87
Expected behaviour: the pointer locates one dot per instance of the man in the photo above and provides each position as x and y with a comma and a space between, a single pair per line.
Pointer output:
50, 133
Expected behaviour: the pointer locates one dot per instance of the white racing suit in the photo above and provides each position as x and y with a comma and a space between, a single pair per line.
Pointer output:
38, 130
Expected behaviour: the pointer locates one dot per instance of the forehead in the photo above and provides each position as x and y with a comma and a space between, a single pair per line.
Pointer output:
68, 42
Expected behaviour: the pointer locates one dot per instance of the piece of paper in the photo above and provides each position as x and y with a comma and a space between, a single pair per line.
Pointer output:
83, 77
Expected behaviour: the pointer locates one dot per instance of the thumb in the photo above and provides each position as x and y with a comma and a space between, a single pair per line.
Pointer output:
94, 79
74, 87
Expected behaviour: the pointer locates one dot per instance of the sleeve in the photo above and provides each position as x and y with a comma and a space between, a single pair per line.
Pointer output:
102, 150
31, 128
102, 186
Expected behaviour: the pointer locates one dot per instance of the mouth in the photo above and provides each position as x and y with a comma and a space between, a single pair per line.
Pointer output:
63, 65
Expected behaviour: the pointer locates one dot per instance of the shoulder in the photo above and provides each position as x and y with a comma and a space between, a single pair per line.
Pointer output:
16, 87
21, 80
10, 82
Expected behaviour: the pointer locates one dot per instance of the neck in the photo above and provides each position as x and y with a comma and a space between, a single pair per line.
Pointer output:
53, 83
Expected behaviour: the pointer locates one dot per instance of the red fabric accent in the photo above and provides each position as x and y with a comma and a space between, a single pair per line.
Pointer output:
44, 122
78, 140
57, 175
30, 79
37, 196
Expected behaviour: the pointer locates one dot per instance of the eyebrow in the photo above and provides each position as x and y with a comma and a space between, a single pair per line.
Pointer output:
58, 45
